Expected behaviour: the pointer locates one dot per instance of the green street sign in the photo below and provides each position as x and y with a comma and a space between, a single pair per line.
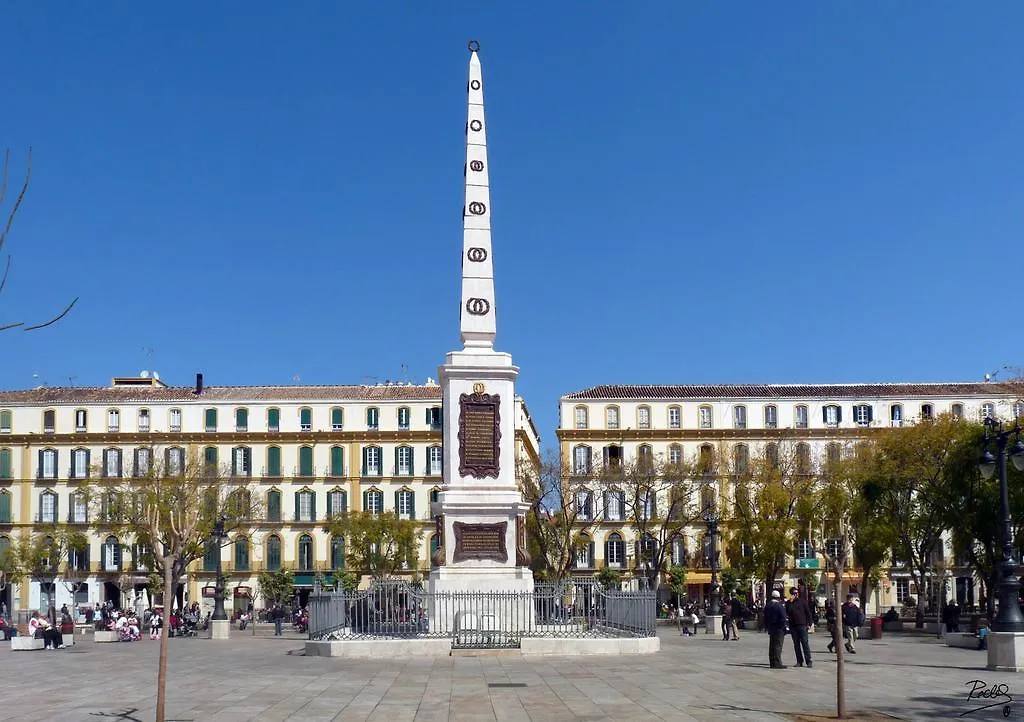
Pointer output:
807, 564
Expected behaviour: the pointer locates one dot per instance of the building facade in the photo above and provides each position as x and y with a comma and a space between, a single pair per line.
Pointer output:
619, 424
308, 451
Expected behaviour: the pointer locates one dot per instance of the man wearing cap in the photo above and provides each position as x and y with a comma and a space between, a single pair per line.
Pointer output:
775, 623
799, 613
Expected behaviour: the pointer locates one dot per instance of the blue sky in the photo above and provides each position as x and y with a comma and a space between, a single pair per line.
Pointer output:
681, 192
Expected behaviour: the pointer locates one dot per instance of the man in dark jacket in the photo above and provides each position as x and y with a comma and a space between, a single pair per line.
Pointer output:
852, 619
775, 623
799, 613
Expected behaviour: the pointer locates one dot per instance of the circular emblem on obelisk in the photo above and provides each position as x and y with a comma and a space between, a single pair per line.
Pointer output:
474, 84
478, 306
475, 125
474, 46
477, 165
477, 208
476, 254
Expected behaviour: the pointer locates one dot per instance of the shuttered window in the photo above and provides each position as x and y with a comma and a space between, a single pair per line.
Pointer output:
273, 419
5, 463
210, 417
337, 461
241, 419
274, 461
305, 461
337, 419
273, 505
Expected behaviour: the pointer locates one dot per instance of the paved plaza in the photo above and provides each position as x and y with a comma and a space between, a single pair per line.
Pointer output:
693, 678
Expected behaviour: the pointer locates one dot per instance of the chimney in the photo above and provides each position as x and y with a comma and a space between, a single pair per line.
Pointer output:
199, 384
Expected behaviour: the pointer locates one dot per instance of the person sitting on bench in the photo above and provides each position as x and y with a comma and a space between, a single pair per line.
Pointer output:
40, 628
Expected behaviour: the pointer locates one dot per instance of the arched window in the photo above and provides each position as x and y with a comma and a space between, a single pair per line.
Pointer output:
143, 421
112, 463
373, 501
405, 503
372, 461
210, 419
615, 551
643, 417
645, 458
273, 420
79, 508
305, 419
612, 456
675, 417
771, 416
675, 454
113, 420
305, 552
704, 417
48, 507
833, 453
706, 459
111, 554
47, 463
740, 459
337, 552
832, 415
862, 414
611, 417
241, 419
174, 461
5, 421
581, 460
210, 460
81, 420
771, 455
803, 458
239, 504
273, 553
5, 464
241, 553
678, 551
273, 505
988, 411
404, 465
585, 553
5, 507
305, 505
800, 417
211, 556
896, 415
241, 461
373, 418
337, 467
739, 417
957, 410
273, 461
337, 502
5, 545
306, 461
435, 542
708, 497
174, 420
435, 461
404, 418
337, 418
582, 417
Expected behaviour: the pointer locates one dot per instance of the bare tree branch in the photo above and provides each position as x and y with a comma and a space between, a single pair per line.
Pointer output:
53, 320
19, 199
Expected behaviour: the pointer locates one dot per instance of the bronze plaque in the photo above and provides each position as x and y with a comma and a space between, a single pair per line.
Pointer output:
479, 541
479, 435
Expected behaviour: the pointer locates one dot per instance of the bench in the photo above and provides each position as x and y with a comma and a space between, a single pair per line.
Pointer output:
106, 636
965, 640
67, 640
22, 644
894, 626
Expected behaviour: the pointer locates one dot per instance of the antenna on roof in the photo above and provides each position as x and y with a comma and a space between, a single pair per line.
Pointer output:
296, 378
71, 381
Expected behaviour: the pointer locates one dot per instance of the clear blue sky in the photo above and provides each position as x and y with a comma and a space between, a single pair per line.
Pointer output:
681, 192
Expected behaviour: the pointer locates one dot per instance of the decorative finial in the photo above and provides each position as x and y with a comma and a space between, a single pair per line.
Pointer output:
474, 46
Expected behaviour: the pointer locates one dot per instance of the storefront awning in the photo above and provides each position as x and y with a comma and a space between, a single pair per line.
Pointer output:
698, 578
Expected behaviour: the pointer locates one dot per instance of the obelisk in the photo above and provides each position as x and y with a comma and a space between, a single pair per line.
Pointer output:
480, 513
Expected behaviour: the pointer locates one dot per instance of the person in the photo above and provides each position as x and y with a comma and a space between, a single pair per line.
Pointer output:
156, 624
891, 616
775, 623
40, 628
852, 619
737, 617
830, 624
7, 630
725, 609
983, 635
954, 615
798, 612
278, 616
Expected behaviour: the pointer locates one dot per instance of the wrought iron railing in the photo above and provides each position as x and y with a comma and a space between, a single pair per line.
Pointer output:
394, 609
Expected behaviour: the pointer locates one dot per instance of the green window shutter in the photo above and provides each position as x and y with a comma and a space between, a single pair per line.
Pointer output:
337, 418
306, 417
428, 417
274, 505
398, 496
365, 449
242, 418
5, 508
343, 502
305, 461
5, 463
396, 459
56, 508
412, 505
273, 419
211, 419
274, 461
412, 461
337, 461
312, 505
434, 544
366, 500
296, 497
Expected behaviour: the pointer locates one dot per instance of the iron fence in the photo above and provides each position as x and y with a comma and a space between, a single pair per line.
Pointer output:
395, 609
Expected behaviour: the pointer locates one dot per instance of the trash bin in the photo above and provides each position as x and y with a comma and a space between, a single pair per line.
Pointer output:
876, 627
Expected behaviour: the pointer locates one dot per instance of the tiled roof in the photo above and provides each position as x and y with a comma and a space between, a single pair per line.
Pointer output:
213, 394
798, 391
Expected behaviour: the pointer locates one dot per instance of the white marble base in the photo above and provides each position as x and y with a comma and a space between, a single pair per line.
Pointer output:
568, 647
220, 629
1006, 651
23, 644
106, 636
68, 640
461, 600
380, 648
529, 647
713, 624
966, 640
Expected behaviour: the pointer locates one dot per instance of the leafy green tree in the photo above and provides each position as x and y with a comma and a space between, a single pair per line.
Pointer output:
730, 581
609, 578
677, 582
377, 544
276, 587
44, 555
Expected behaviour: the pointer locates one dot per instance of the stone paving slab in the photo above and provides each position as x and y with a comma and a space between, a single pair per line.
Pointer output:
692, 679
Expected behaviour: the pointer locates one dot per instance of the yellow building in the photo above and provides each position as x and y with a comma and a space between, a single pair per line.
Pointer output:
310, 451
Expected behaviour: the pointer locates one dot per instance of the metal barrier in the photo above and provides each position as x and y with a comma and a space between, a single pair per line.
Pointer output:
395, 609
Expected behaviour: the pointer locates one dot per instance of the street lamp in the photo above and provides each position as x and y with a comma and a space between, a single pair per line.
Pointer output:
218, 535
1009, 618
712, 519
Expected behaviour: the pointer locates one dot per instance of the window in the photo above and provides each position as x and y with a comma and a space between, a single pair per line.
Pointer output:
403, 461
585, 553
927, 411
371, 461
49, 421
273, 461
435, 460
81, 417
372, 418
803, 458
800, 417
143, 461
958, 411
988, 411
582, 419
112, 463
305, 505
434, 417
704, 417
79, 464
645, 458
337, 502
611, 417
337, 465
242, 420
614, 505
305, 552
834, 548
739, 417
273, 420
111, 555
435, 495
771, 455
405, 504
581, 456
5, 463
674, 417
708, 497
740, 459
48, 464
646, 505
646, 549
373, 501
832, 415
241, 553
896, 415
211, 556
706, 459
613, 457
273, 553
241, 461
78, 559
273, 505
675, 454
5, 421
643, 417
175, 420
305, 419
404, 418
678, 552
771, 416
804, 550
305, 461
833, 453
113, 420
584, 505
337, 419
1018, 409
48, 507
143, 421
615, 551
210, 419
210, 460
902, 590
337, 552
175, 461
862, 414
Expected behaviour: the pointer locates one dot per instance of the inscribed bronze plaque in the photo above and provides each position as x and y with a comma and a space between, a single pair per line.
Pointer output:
479, 435
479, 541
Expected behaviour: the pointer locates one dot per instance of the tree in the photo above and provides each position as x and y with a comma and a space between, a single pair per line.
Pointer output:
377, 544
677, 582
44, 555
608, 578
5, 230
10, 567
275, 587
561, 516
172, 507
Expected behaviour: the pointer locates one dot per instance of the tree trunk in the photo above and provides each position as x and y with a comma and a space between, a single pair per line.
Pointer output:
838, 643
161, 675
918, 580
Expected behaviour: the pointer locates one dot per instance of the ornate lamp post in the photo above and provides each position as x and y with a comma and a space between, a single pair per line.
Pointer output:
712, 520
218, 535
1009, 618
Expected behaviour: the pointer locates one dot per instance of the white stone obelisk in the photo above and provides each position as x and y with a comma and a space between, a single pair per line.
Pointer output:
480, 513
